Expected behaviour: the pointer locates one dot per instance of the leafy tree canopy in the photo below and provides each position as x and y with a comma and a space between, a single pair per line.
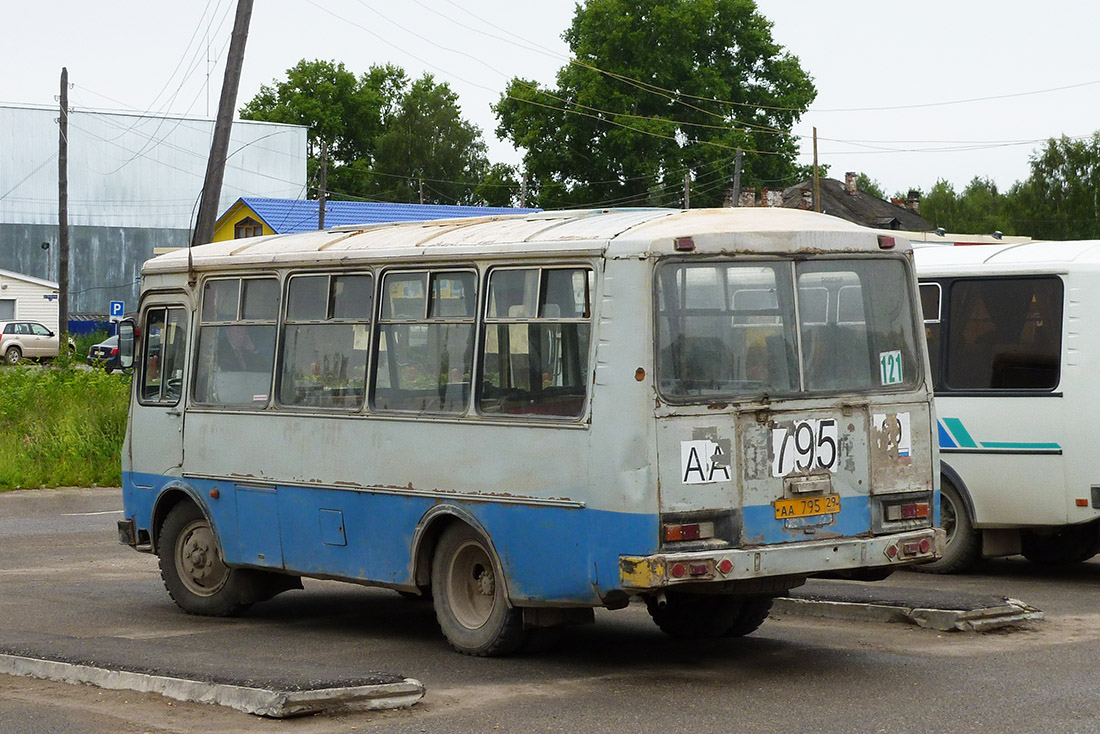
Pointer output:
1058, 201
657, 89
387, 138
868, 185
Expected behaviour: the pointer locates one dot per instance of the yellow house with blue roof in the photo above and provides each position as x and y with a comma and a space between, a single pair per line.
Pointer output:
255, 216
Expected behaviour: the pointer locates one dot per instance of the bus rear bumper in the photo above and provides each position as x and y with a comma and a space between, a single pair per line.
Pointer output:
663, 570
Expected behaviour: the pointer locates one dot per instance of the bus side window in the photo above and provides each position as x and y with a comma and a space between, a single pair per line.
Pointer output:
326, 339
931, 305
236, 347
1005, 334
424, 351
536, 342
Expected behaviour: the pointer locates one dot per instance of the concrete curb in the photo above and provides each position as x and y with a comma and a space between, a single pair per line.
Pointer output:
1012, 613
259, 701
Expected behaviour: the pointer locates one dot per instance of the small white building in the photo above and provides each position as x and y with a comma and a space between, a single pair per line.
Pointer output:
27, 298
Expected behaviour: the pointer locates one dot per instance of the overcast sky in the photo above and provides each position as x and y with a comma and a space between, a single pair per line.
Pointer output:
908, 92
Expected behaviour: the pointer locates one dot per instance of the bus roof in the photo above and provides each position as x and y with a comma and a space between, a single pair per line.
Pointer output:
1031, 256
616, 232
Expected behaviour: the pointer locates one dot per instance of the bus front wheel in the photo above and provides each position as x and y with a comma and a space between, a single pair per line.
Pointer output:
192, 568
964, 544
469, 599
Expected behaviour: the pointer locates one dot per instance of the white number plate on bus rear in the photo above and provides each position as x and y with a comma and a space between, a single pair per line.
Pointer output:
804, 446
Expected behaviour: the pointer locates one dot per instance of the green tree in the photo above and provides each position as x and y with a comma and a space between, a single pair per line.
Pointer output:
500, 186
426, 138
385, 135
1061, 197
657, 89
339, 109
940, 206
981, 208
868, 185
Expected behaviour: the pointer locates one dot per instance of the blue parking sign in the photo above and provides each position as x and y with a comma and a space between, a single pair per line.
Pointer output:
117, 310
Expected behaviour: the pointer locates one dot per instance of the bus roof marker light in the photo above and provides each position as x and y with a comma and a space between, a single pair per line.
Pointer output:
886, 242
684, 244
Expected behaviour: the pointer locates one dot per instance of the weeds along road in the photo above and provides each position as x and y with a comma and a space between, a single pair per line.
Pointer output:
64, 578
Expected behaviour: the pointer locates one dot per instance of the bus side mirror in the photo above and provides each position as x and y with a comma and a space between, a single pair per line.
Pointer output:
126, 344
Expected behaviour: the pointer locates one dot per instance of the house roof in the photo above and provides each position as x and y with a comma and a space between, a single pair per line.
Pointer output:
287, 216
28, 279
860, 207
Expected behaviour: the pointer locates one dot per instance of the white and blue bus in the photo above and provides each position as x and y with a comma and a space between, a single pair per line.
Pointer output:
1012, 342
529, 417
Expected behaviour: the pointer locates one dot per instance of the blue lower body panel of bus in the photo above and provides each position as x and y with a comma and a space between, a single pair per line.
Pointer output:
550, 555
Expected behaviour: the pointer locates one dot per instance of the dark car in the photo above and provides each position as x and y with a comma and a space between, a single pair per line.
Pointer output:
105, 353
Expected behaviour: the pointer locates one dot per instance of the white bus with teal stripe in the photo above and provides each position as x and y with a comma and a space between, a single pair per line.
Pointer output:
1015, 353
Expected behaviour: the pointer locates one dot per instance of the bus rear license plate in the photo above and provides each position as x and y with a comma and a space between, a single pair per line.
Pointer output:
807, 506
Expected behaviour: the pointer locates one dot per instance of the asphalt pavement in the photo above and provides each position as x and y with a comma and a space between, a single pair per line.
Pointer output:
68, 591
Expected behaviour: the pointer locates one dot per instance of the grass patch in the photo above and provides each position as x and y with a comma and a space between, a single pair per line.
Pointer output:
61, 426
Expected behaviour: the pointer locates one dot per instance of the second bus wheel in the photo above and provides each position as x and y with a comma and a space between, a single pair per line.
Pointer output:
1063, 547
191, 565
469, 599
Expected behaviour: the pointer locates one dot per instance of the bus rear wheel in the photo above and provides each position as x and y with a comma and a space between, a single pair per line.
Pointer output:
469, 599
754, 610
964, 544
1065, 547
703, 616
192, 568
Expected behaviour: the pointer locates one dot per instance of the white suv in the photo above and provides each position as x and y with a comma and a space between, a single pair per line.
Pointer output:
30, 339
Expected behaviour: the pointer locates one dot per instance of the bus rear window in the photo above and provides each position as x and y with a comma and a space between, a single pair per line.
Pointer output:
785, 327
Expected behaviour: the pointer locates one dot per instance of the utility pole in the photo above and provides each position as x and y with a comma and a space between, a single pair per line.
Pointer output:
63, 214
687, 190
817, 181
215, 166
523, 191
421, 189
324, 184
737, 179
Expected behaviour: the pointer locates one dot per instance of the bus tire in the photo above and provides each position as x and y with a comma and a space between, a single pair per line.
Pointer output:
964, 544
696, 616
469, 599
754, 610
1065, 547
192, 568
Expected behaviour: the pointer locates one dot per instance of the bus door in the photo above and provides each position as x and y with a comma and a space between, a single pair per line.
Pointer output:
156, 437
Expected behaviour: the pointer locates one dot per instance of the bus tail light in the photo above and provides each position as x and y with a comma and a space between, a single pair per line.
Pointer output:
693, 569
689, 531
908, 549
908, 511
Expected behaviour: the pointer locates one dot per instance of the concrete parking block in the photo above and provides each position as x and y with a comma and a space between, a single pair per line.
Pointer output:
387, 693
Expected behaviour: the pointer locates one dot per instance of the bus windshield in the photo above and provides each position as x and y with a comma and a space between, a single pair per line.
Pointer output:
779, 327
